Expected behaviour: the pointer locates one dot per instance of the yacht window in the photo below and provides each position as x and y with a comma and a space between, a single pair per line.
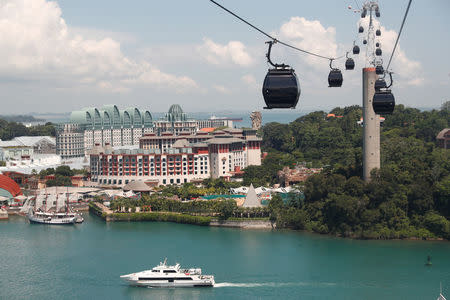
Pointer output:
169, 271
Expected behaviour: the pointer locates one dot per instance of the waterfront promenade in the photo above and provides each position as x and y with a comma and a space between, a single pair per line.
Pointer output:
109, 216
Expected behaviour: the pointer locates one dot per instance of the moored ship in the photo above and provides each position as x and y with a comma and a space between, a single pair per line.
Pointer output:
52, 209
164, 275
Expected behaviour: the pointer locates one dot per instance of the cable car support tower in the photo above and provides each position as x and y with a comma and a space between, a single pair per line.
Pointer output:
371, 121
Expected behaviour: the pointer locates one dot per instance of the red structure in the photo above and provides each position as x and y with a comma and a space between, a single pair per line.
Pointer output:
10, 186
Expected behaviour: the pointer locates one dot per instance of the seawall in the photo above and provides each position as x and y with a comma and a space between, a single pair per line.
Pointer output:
109, 216
245, 224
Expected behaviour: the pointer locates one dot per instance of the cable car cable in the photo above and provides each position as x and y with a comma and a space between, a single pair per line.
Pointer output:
272, 38
399, 33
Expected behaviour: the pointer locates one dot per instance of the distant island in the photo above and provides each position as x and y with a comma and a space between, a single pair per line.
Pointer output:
21, 118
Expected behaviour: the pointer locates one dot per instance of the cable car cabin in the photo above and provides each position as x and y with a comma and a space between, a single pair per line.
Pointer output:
380, 83
379, 70
281, 89
335, 78
361, 29
383, 102
377, 45
349, 64
377, 13
364, 42
363, 13
378, 32
378, 52
356, 49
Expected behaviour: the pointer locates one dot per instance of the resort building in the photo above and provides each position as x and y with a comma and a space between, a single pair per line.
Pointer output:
443, 138
40, 144
107, 125
176, 159
70, 140
119, 128
176, 122
11, 150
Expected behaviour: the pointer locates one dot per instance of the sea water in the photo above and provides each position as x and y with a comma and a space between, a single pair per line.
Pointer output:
85, 261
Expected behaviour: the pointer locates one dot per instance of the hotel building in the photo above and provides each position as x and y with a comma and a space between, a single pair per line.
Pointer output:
118, 128
171, 159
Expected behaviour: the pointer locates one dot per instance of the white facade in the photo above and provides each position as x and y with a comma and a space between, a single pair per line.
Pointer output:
70, 140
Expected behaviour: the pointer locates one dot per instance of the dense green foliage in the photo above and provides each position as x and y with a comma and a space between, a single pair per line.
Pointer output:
161, 217
20, 118
408, 197
189, 190
223, 209
10, 130
62, 175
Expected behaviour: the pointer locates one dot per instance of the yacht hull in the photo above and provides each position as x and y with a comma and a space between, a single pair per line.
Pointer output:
66, 221
167, 284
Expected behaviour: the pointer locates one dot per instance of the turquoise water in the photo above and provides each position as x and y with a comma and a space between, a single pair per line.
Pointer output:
85, 261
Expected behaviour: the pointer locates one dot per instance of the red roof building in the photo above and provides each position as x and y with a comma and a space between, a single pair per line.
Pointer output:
8, 187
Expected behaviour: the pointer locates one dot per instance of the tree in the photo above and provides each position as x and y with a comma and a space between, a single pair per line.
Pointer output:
226, 208
64, 171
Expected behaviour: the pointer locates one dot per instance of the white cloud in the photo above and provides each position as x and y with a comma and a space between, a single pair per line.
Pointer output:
311, 36
221, 89
232, 53
249, 79
407, 71
36, 43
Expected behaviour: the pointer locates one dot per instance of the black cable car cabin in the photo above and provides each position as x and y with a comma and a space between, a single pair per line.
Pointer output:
383, 102
361, 29
364, 42
380, 83
378, 32
356, 49
281, 89
377, 45
335, 78
349, 64
378, 52
379, 70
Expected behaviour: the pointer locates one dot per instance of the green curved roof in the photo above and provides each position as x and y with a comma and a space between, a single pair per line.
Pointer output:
79, 117
175, 114
109, 116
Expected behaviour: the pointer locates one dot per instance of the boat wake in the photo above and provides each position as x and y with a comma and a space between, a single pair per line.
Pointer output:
272, 284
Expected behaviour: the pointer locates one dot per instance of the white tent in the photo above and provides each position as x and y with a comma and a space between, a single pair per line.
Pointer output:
3, 198
21, 197
129, 194
251, 200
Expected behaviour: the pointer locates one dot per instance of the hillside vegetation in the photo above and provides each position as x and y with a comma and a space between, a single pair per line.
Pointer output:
409, 196
10, 130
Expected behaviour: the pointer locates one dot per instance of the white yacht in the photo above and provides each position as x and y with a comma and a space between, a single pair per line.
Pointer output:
169, 276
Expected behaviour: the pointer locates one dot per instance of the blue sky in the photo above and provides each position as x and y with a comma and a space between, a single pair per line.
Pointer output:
65, 55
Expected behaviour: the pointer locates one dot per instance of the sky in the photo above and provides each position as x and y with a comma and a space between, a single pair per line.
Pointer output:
60, 56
